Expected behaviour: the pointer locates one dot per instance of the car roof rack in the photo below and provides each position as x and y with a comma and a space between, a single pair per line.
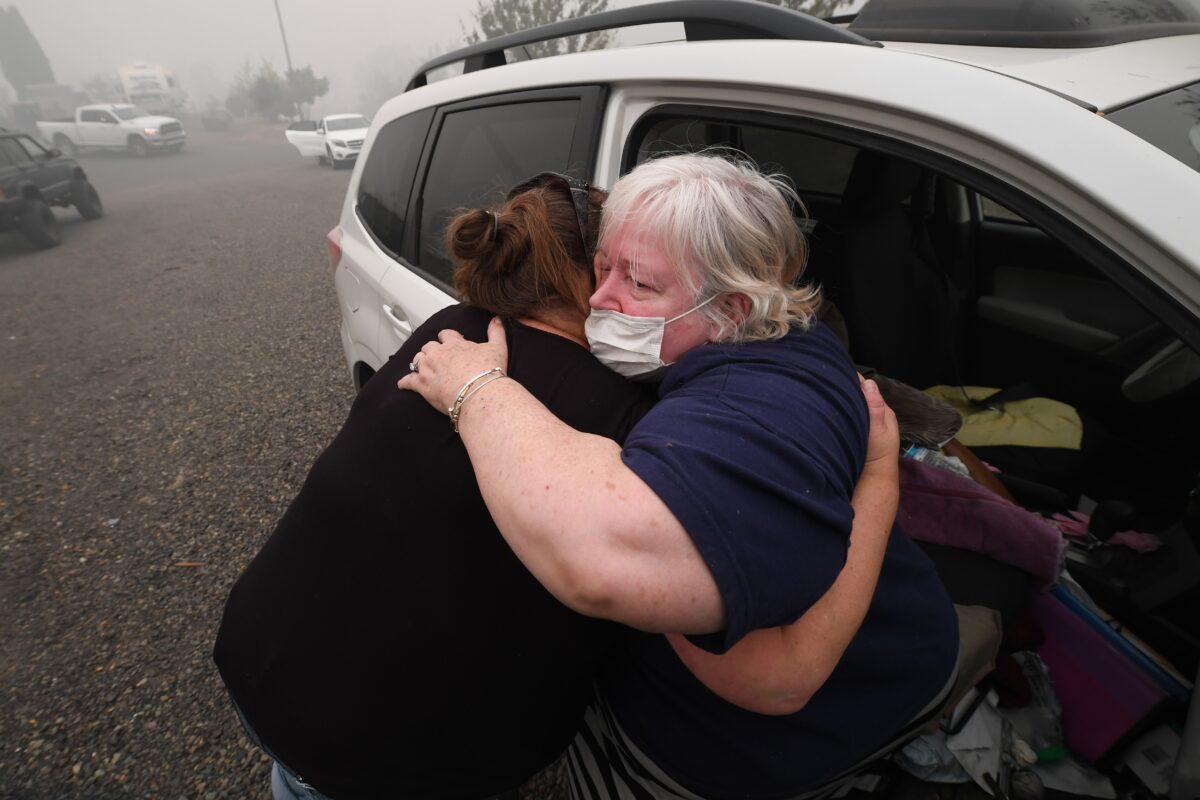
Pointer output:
703, 20
1021, 23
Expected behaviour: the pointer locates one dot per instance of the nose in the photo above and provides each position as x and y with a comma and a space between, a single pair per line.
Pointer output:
606, 296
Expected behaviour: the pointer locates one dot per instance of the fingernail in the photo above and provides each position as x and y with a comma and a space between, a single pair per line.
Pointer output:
871, 386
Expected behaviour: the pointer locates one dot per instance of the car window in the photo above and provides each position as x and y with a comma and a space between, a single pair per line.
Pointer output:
346, 124
35, 150
387, 177
129, 112
15, 152
1170, 122
816, 166
5, 161
91, 115
303, 125
480, 153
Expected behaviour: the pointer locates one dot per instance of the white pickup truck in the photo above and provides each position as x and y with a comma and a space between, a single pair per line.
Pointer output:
115, 127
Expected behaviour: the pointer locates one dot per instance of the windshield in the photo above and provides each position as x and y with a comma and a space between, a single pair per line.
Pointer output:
346, 123
1170, 122
129, 112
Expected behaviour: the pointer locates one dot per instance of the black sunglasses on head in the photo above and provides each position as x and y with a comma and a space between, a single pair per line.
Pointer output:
578, 190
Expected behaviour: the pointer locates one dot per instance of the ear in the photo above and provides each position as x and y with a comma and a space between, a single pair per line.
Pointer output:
735, 306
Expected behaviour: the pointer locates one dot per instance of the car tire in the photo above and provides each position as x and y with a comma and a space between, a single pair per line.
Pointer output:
39, 225
86, 199
65, 146
138, 147
329, 157
320, 161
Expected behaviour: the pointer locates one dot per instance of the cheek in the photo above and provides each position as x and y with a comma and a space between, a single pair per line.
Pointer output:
684, 335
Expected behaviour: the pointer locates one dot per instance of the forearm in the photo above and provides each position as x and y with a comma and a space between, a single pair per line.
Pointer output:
576, 516
778, 670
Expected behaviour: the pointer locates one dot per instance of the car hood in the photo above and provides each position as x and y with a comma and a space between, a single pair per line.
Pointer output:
348, 134
151, 121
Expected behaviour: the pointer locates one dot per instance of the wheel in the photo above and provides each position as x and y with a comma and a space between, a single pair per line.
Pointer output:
329, 157
65, 145
39, 225
86, 199
138, 147
320, 161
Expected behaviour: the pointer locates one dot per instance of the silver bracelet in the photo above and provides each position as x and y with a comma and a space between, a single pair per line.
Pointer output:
456, 408
457, 416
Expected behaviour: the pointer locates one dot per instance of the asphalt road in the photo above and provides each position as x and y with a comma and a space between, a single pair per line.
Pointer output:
169, 374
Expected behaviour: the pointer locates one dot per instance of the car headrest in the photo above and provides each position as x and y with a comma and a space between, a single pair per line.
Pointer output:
878, 183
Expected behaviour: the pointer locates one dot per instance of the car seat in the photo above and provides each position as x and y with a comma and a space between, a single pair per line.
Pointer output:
902, 310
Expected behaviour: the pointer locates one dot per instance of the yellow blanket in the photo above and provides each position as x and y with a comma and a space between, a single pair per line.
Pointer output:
1036, 422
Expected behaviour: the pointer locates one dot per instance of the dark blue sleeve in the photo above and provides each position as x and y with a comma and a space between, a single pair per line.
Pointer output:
767, 511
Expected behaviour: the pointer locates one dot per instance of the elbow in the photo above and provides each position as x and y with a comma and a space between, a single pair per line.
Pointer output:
588, 591
775, 702
780, 704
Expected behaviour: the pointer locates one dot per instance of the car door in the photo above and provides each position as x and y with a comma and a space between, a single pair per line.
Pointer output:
91, 128
476, 151
304, 137
53, 174
23, 165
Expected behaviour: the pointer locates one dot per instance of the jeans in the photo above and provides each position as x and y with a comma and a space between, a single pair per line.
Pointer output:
286, 786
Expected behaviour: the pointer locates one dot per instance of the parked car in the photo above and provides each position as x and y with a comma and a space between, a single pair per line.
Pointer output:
994, 193
32, 180
115, 127
335, 140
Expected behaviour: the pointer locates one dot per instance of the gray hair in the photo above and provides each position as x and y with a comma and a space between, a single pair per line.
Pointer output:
732, 221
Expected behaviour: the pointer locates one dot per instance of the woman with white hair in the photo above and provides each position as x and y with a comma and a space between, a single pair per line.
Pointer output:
724, 520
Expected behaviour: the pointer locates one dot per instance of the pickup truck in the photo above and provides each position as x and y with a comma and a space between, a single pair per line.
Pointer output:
114, 127
32, 179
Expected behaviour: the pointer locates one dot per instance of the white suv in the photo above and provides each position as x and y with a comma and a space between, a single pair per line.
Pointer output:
995, 191
336, 139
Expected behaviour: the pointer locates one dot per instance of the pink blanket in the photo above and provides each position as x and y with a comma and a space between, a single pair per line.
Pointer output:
941, 507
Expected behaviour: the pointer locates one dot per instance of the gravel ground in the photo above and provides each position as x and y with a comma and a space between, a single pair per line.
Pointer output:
170, 372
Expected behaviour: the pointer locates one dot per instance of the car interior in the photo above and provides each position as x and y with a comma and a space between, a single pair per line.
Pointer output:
940, 285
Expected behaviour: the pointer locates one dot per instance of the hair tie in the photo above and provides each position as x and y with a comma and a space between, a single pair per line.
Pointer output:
495, 224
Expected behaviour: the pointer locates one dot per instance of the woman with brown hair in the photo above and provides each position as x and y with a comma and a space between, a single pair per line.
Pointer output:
386, 641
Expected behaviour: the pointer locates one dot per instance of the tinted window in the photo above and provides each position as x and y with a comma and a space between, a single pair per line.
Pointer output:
35, 150
815, 165
387, 177
303, 125
91, 115
15, 152
480, 153
1170, 122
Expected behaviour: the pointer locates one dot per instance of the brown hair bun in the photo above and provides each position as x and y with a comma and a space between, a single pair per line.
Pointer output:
526, 256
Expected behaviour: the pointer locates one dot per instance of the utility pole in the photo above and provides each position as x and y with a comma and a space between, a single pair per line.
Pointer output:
287, 54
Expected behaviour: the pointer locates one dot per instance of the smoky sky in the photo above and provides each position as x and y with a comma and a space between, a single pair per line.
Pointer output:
206, 41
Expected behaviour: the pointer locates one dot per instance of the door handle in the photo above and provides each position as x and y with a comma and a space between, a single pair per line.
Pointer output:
401, 325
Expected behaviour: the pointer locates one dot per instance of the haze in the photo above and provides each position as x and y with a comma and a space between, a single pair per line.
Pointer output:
207, 41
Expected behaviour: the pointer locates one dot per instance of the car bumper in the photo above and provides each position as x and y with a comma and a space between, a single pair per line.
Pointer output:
344, 153
170, 140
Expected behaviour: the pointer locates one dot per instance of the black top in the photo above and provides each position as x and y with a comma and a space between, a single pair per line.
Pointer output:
385, 640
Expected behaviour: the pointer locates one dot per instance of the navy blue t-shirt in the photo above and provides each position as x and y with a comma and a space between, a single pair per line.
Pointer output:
756, 449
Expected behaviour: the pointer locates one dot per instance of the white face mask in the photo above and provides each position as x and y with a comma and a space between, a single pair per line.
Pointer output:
630, 346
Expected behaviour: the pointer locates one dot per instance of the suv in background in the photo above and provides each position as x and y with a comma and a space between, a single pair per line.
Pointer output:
32, 179
995, 193
335, 139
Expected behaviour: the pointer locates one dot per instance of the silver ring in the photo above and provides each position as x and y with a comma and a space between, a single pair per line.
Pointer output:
414, 365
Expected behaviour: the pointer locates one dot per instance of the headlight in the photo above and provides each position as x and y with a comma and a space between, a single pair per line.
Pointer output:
338, 143
150, 131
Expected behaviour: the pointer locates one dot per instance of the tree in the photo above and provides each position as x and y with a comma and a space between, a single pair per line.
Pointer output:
269, 93
238, 101
493, 18
817, 8
303, 88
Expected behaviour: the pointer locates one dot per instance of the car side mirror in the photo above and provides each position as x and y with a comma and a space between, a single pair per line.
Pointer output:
53, 152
